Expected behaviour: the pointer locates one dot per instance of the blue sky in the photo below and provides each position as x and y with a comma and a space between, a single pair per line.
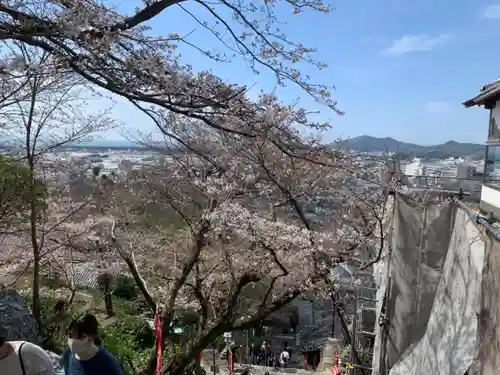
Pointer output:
401, 68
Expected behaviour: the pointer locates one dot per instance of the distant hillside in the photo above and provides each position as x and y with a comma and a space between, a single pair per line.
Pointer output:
366, 143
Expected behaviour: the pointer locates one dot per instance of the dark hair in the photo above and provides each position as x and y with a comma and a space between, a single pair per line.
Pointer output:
2, 340
86, 325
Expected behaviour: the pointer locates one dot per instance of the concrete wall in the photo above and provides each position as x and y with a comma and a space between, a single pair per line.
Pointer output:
490, 199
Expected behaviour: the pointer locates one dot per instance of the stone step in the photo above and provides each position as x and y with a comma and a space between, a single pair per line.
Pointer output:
261, 370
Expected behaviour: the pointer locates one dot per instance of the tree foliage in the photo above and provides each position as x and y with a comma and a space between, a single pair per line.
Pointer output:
120, 53
266, 212
15, 194
39, 114
248, 247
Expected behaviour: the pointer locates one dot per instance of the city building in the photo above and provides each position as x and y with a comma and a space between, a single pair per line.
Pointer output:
466, 171
489, 98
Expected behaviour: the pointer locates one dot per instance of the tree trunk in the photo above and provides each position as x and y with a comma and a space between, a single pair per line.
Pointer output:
139, 281
108, 300
178, 365
175, 366
197, 366
35, 289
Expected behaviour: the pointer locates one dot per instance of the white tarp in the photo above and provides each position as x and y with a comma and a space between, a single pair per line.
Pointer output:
449, 343
488, 351
408, 276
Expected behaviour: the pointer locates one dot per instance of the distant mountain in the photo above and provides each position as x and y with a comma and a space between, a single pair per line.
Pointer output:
106, 143
366, 143
102, 144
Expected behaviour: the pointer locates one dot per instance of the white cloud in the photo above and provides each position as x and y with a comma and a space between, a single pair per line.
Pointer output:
490, 12
416, 43
437, 107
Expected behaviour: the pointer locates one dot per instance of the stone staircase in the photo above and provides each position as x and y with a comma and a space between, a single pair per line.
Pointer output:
261, 370
331, 346
314, 336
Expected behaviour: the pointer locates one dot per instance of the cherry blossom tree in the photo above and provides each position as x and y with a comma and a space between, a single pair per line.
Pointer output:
41, 114
256, 222
120, 53
265, 214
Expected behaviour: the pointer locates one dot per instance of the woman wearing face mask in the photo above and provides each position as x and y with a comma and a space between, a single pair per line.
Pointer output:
85, 355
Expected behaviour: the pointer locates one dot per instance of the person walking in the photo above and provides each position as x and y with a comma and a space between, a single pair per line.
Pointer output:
23, 358
253, 354
86, 355
269, 355
262, 354
288, 348
284, 359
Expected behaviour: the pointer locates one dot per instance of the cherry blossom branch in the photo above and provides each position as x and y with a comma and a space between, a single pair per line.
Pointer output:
139, 281
199, 242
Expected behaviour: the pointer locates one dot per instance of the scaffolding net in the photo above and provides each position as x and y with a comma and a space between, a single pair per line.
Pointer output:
487, 360
429, 284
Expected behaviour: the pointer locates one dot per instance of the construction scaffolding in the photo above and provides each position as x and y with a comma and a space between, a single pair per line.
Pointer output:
362, 328
438, 300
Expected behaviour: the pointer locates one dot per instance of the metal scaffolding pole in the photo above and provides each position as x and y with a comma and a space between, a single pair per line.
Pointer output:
354, 327
358, 328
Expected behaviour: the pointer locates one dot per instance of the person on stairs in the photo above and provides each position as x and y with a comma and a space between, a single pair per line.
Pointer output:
23, 358
284, 359
86, 355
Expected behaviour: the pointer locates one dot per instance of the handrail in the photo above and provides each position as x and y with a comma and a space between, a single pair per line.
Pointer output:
477, 217
470, 178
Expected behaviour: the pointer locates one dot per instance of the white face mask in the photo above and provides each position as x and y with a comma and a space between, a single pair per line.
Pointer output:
78, 346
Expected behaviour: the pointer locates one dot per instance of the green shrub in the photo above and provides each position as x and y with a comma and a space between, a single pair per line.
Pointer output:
51, 280
121, 340
145, 335
125, 287
124, 308
15, 192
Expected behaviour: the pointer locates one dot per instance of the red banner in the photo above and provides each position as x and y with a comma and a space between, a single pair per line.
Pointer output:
336, 364
230, 362
157, 324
